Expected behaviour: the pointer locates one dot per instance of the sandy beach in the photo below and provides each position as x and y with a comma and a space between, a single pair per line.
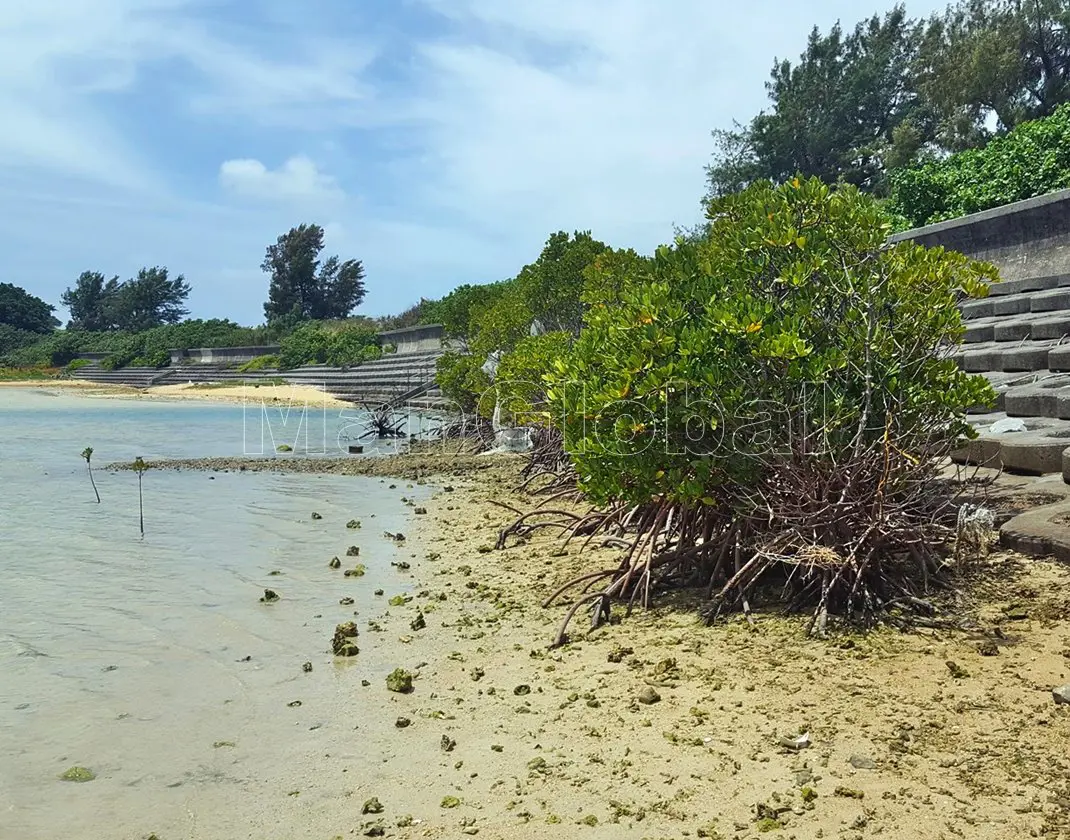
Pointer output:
658, 726
237, 393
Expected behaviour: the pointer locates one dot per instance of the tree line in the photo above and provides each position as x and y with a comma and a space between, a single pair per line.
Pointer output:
302, 287
861, 102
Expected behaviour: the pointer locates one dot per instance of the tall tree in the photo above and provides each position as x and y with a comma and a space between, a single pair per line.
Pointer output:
303, 287
149, 300
22, 311
90, 301
834, 113
1007, 59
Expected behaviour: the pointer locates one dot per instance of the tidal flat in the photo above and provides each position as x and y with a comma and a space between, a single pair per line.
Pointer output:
654, 726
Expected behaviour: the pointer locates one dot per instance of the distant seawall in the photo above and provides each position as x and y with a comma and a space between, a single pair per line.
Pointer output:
1025, 239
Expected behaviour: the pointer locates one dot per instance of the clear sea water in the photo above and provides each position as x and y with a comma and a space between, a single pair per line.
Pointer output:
150, 660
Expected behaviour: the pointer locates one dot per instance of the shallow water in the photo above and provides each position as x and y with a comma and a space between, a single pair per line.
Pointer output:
138, 657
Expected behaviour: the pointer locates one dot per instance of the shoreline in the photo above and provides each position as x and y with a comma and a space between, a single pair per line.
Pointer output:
533, 737
231, 394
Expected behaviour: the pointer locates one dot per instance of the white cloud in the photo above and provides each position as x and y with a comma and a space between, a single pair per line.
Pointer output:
298, 179
469, 138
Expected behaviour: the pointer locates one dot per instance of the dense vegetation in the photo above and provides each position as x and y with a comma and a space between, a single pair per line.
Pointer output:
139, 320
862, 102
1031, 160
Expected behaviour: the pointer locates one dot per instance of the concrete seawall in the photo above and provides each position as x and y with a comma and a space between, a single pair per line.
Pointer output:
1023, 240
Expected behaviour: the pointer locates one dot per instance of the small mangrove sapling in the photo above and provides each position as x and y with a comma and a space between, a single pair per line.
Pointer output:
139, 466
87, 453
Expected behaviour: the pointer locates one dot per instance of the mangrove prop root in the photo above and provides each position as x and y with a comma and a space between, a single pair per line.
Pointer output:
860, 540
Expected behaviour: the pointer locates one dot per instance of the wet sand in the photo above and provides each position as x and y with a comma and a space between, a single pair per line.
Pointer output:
506, 738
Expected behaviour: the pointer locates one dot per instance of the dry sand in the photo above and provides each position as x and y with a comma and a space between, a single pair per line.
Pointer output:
524, 742
237, 393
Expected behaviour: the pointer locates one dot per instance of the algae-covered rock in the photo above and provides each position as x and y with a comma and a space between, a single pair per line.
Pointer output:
270, 596
357, 571
450, 802
399, 600
78, 774
353, 524
284, 447
399, 680
353, 551
335, 563
344, 642
372, 806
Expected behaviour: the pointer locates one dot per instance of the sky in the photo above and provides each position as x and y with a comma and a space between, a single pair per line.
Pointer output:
439, 141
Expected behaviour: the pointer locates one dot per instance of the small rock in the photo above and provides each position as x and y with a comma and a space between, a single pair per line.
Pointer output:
344, 642
447, 743
399, 681
293, 704
316, 515
988, 648
450, 802
378, 591
1061, 695
862, 762
357, 571
353, 551
521, 690
345, 602
418, 623
335, 563
270, 596
421, 511
307, 667
284, 447
372, 806
957, 671
402, 722
648, 696
353, 524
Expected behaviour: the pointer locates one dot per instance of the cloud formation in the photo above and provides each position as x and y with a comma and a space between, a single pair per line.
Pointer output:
297, 179
440, 141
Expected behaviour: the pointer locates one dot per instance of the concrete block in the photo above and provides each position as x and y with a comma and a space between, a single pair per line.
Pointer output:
1051, 328
1031, 401
1052, 301
979, 361
1012, 331
977, 309
1012, 305
1059, 358
1024, 358
1033, 454
976, 333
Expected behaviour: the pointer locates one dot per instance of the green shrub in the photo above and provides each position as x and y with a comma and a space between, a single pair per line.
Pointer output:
259, 363
462, 381
519, 382
351, 346
76, 364
1030, 160
306, 345
779, 388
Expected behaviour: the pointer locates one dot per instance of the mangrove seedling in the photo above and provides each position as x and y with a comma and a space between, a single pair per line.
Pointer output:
87, 453
139, 467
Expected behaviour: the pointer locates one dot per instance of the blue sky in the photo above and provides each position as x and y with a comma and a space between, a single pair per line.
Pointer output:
439, 141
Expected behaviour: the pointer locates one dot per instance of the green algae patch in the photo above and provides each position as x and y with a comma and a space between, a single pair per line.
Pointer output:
399, 681
450, 802
78, 774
